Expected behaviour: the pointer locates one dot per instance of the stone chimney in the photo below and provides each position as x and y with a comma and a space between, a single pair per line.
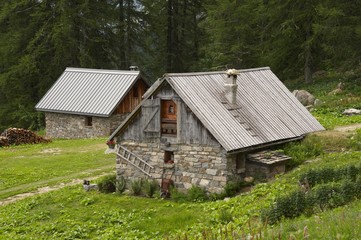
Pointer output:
231, 86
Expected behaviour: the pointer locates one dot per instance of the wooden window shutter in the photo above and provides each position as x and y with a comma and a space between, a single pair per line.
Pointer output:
151, 117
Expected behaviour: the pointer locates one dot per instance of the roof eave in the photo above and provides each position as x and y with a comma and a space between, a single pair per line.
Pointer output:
73, 113
264, 145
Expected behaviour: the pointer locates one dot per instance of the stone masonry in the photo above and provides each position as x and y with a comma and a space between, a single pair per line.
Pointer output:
204, 166
69, 126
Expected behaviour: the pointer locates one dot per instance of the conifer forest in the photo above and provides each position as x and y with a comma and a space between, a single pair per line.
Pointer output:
40, 38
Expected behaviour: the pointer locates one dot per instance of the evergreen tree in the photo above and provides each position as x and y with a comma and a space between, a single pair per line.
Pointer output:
42, 38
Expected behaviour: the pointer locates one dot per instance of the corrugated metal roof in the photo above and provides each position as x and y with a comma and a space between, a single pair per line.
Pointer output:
92, 92
266, 111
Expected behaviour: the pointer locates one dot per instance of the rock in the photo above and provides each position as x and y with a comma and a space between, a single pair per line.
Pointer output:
352, 111
249, 179
304, 97
340, 87
317, 102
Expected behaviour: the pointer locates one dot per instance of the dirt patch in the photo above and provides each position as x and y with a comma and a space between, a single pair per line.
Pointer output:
348, 128
51, 151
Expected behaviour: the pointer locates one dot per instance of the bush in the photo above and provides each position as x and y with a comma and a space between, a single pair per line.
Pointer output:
231, 188
136, 187
150, 187
225, 216
177, 195
197, 194
325, 175
107, 184
121, 185
299, 152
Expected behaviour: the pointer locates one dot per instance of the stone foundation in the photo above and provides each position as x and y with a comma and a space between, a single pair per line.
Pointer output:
71, 126
191, 165
264, 171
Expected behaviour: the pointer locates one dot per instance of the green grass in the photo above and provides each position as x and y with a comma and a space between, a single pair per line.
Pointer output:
27, 167
329, 114
340, 223
72, 213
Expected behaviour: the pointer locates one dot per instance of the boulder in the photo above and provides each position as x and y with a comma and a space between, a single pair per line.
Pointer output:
306, 98
352, 111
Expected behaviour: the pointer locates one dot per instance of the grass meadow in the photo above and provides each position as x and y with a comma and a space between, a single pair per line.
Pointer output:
72, 213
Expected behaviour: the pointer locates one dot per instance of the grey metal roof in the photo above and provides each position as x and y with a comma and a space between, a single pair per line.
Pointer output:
92, 92
266, 110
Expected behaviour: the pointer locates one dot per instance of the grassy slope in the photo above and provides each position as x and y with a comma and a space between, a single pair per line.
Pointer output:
330, 113
27, 167
72, 213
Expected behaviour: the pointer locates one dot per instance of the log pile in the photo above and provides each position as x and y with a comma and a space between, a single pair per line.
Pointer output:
17, 136
4, 141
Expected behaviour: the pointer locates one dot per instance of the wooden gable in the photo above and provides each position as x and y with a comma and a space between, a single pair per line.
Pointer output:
133, 97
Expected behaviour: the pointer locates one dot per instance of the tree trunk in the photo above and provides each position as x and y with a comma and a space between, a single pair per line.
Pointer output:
122, 37
308, 53
169, 53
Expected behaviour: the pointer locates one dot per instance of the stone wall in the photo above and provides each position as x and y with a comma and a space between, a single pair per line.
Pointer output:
69, 126
193, 164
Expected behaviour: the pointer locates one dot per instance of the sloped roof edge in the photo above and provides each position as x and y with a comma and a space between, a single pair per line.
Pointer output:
91, 92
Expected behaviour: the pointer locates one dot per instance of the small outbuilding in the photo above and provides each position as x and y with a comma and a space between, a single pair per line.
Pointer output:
85, 103
210, 128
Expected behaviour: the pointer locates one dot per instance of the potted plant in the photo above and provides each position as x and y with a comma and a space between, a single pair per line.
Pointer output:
111, 143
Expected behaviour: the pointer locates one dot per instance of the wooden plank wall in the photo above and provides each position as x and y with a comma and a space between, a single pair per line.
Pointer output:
133, 98
189, 129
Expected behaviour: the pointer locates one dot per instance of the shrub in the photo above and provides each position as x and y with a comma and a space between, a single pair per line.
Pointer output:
177, 195
121, 185
107, 184
225, 216
196, 193
325, 175
150, 187
136, 187
231, 188
299, 152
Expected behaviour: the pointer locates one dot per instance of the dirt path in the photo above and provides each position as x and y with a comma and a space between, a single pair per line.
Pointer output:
341, 129
50, 188
348, 127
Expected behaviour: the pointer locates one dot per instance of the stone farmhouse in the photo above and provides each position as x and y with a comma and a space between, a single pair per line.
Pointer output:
207, 129
86, 103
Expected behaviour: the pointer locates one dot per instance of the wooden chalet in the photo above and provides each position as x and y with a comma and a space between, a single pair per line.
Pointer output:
210, 128
85, 103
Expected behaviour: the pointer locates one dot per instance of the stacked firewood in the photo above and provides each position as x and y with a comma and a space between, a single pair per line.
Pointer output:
17, 136
4, 141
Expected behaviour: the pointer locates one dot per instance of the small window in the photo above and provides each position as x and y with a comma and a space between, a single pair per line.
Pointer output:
88, 121
168, 157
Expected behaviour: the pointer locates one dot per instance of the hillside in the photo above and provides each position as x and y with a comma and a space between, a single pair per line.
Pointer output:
72, 213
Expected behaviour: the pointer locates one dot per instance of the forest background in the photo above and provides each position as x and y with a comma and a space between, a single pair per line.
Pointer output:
40, 38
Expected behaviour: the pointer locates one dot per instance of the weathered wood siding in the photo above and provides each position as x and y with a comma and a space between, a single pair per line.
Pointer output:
146, 126
133, 98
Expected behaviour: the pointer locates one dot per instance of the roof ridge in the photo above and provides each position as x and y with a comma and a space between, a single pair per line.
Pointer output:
91, 70
214, 72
